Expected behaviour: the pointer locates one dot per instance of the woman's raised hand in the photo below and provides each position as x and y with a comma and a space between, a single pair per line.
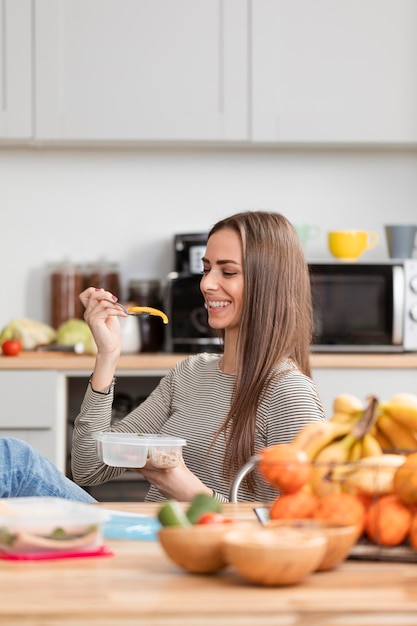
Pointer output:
101, 316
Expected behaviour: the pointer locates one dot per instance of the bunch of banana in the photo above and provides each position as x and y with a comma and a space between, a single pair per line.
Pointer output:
316, 436
337, 441
396, 424
354, 449
347, 408
346, 436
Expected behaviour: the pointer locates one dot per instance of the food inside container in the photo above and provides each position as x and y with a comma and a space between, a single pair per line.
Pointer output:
37, 525
133, 449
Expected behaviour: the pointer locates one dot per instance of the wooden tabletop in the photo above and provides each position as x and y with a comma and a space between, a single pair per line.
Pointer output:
139, 585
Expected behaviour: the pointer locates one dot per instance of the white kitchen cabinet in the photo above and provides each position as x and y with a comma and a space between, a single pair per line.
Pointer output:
15, 69
363, 382
331, 71
33, 409
141, 70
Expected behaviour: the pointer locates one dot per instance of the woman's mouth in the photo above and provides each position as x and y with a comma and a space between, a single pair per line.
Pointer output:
217, 304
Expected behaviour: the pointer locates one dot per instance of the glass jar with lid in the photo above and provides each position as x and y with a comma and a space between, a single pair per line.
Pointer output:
104, 275
66, 284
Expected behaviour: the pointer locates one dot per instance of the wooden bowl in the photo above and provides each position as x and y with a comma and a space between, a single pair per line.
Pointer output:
340, 539
197, 549
274, 556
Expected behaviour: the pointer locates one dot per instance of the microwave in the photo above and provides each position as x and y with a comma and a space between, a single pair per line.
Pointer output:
364, 307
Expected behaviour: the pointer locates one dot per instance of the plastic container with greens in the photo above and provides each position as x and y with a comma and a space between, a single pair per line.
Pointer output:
46, 525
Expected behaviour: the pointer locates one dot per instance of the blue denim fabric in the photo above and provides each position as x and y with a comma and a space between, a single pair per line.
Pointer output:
25, 472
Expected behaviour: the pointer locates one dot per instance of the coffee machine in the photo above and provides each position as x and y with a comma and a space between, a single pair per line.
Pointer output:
188, 330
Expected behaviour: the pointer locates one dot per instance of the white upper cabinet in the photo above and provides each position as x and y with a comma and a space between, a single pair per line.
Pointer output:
146, 70
334, 71
253, 71
15, 69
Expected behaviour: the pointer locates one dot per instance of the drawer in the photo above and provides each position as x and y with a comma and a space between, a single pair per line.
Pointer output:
29, 399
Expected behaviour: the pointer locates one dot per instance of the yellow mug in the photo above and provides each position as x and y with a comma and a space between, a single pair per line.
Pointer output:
348, 245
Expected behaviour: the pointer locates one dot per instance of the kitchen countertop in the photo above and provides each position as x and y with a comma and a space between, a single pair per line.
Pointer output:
162, 361
139, 585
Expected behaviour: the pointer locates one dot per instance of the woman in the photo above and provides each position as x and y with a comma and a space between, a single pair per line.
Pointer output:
257, 393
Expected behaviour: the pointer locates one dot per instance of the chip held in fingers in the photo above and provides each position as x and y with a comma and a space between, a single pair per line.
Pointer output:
150, 310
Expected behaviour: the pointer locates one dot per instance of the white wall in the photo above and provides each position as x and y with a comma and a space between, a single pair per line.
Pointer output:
126, 204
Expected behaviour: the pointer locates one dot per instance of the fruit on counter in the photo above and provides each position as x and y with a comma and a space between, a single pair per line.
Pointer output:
336, 453
402, 407
396, 433
360, 435
75, 331
381, 439
11, 347
214, 518
370, 446
202, 503
348, 404
342, 508
388, 521
172, 513
355, 453
285, 466
347, 409
369, 475
362, 470
301, 504
405, 480
343, 418
413, 531
28, 332
317, 435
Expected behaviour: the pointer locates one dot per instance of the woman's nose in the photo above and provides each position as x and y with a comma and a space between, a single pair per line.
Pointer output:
208, 281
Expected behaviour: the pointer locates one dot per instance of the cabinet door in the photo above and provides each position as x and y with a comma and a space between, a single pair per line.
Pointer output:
327, 71
362, 382
123, 70
15, 69
33, 409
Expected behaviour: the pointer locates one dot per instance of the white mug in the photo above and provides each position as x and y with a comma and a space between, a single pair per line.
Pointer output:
131, 339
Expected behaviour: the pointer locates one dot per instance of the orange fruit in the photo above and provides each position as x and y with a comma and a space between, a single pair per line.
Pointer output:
388, 521
405, 480
342, 508
413, 531
285, 467
300, 504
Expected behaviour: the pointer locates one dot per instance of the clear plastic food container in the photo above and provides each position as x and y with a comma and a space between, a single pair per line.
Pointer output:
37, 525
133, 449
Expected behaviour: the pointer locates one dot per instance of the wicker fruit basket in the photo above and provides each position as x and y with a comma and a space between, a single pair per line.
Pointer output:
378, 494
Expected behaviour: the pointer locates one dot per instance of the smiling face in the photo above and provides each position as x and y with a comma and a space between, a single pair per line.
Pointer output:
222, 282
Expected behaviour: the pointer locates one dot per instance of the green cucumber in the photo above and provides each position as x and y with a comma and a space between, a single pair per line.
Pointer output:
200, 504
172, 514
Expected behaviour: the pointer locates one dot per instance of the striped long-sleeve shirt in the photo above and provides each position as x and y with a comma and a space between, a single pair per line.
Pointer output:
191, 402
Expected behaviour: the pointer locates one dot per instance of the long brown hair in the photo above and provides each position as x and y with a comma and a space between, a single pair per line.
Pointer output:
276, 321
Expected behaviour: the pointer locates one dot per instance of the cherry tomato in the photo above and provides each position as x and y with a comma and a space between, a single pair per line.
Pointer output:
11, 347
214, 518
